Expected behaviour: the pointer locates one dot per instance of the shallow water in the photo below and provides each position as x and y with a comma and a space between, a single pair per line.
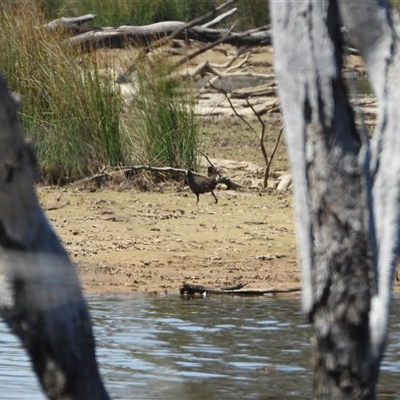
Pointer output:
203, 349
213, 348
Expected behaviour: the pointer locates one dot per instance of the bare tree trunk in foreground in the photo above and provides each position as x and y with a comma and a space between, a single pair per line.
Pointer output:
347, 187
40, 295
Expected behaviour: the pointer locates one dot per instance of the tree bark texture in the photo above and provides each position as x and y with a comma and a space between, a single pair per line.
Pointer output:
346, 187
40, 295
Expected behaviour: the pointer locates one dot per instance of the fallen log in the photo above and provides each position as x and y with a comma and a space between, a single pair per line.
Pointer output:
144, 35
268, 89
187, 289
96, 37
125, 170
72, 26
192, 289
230, 185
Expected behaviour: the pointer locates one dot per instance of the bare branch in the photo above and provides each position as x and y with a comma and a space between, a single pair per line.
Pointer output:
266, 176
209, 161
219, 18
261, 137
225, 92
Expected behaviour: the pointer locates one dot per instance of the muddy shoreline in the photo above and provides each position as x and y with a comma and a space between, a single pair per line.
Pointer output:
151, 242
128, 242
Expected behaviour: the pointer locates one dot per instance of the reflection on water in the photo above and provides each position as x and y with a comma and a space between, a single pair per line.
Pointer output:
213, 348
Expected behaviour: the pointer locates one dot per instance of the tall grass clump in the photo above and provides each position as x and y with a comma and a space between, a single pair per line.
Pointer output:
163, 125
118, 12
70, 107
250, 14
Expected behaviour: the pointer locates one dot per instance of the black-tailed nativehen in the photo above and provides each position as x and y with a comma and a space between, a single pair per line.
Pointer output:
200, 184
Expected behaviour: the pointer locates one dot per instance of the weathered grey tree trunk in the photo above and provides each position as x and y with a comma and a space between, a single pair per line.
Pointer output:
40, 295
347, 188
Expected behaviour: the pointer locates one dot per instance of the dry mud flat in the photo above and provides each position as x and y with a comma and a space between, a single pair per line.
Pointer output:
131, 241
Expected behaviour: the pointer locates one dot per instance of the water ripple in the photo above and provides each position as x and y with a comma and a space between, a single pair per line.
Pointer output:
215, 348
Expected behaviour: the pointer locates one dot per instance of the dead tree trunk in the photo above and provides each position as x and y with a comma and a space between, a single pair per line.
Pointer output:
347, 188
40, 296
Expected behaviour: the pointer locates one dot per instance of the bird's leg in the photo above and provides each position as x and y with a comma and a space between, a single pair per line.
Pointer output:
197, 198
215, 197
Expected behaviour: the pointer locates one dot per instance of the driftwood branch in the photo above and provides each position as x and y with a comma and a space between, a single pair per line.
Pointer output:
202, 50
229, 66
230, 185
268, 89
124, 77
219, 18
72, 26
239, 51
124, 170
194, 22
236, 290
160, 33
205, 67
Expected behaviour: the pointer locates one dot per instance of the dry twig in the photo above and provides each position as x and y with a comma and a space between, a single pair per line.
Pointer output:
261, 136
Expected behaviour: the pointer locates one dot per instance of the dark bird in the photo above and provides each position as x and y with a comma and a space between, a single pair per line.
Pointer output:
201, 184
